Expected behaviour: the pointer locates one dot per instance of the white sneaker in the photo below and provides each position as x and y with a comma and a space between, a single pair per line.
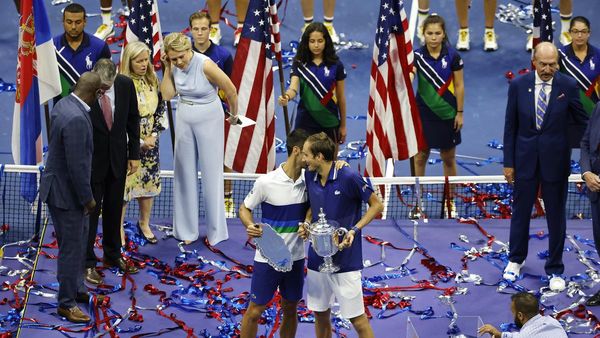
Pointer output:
489, 41
105, 30
215, 34
420, 35
529, 45
512, 271
464, 40
334, 37
230, 208
565, 38
557, 283
236, 36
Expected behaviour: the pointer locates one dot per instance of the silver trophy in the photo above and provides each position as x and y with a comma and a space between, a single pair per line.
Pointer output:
325, 238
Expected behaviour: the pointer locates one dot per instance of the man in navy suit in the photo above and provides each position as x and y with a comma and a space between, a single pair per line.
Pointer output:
537, 153
590, 168
66, 188
116, 125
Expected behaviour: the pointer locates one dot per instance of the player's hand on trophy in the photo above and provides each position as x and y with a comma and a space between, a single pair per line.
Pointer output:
347, 241
303, 230
254, 230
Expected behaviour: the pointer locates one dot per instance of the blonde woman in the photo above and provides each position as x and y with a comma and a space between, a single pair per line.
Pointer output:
144, 184
199, 136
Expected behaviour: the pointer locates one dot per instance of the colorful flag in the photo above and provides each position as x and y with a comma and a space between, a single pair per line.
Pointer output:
144, 25
393, 122
542, 21
37, 82
251, 149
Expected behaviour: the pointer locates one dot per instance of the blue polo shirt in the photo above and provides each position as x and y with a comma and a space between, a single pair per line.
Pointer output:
89, 51
220, 56
341, 199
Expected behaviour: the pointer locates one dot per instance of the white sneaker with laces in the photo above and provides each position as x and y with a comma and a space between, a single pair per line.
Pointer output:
557, 283
489, 41
464, 40
334, 37
565, 38
230, 208
105, 30
420, 35
512, 271
236, 36
215, 34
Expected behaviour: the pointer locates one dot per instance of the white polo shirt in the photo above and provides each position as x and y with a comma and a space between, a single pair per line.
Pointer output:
284, 203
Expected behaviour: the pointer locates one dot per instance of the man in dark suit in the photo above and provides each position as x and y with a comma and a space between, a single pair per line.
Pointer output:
537, 153
116, 124
590, 168
65, 187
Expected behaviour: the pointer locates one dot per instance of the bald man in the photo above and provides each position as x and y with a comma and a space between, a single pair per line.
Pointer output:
66, 188
537, 153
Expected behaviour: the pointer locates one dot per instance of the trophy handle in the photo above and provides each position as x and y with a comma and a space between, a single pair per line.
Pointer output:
339, 232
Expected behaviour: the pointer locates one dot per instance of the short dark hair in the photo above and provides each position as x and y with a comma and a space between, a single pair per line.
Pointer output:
74, 8
526, 303
581, 19
296, 139
321, 143
198, 16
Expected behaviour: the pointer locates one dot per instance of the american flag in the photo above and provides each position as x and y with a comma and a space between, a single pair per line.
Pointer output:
393, 122
144, 25
251, 149
542, 21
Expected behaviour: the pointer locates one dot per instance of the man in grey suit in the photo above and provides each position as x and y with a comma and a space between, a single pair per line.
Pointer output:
66, 189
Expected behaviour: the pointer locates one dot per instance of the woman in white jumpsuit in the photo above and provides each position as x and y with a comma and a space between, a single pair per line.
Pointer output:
199, 134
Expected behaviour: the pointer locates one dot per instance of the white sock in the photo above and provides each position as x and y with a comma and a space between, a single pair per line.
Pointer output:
106, 14
423, 14
565, 22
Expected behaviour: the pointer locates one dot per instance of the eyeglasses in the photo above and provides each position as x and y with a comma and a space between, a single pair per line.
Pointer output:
583, 31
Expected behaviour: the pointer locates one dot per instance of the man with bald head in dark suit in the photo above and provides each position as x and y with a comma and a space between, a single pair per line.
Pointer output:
66, 189
537, 153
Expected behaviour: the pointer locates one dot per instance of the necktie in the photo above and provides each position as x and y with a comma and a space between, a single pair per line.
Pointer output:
540, 107
106, 110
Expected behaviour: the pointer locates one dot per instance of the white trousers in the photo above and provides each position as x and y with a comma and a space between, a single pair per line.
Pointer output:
199, 137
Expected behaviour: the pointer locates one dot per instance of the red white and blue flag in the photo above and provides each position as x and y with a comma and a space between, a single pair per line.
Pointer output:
393, 123
251, 149
542, 21
38, 81
144, 25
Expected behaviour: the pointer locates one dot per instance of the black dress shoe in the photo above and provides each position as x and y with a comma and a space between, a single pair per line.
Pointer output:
122, 265
151, 240
74, 314
92, 276
85, 298
594, 300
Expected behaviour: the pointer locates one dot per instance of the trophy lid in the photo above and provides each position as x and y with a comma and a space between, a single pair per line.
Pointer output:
322, 226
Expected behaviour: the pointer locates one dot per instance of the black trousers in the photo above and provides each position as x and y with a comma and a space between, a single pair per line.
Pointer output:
71, 227
108, 194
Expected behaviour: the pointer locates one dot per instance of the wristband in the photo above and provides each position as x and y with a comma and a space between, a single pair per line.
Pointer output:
355, 229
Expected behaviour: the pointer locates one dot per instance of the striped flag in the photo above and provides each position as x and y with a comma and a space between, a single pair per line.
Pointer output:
393, 122
542, 21
144, 25
251, 149
37, 82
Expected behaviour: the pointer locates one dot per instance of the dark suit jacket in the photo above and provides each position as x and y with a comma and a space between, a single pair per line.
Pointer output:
525, 147
66, 178
589, 148
113, 148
